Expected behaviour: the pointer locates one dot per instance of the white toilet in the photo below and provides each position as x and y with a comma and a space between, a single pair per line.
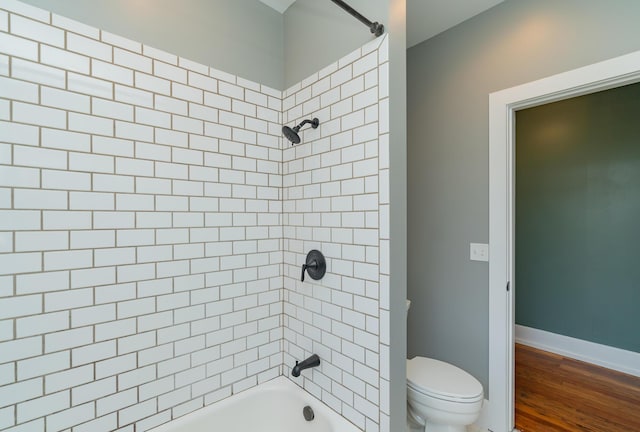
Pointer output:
441, 397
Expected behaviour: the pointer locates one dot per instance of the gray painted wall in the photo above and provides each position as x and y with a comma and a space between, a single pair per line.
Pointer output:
241, 37
397, 24
317, 33
577, 212
449, 80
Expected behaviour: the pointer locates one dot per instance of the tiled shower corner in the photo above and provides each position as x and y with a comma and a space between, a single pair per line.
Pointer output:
153, 223
336, 199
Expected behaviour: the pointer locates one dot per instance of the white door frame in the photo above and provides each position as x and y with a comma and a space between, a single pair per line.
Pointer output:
502, 107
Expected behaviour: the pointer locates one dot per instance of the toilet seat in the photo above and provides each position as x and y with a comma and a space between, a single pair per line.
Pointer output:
444, 381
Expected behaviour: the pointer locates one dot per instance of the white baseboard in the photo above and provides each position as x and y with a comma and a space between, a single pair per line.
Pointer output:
601, 355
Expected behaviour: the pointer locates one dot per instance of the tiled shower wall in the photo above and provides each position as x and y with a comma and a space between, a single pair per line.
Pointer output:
142, 217
336, 200
141, 233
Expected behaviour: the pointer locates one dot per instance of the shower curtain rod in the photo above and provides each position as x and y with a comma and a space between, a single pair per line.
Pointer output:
375, 27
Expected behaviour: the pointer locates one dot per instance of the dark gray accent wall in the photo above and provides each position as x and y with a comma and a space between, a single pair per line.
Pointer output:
241, 37
577, 214
449, 80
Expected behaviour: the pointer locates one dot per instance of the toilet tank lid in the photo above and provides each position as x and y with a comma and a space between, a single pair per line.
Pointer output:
437, 377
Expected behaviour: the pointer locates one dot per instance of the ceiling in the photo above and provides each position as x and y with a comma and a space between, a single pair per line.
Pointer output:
425, 18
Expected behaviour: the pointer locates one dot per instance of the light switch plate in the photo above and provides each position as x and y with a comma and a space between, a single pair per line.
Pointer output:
479, 252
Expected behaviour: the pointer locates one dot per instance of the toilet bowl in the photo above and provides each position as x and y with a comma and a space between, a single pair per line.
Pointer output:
441, 397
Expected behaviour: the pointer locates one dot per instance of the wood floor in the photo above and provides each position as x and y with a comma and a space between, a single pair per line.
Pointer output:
555, 393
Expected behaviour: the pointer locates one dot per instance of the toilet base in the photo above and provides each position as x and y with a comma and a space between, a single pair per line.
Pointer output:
436, 427
415, 423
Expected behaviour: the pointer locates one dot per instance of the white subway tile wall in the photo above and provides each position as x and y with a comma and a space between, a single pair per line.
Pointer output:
335, 200
153, 223
141, 245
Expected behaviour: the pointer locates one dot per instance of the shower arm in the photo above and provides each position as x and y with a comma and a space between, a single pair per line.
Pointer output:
375, 27
304, 122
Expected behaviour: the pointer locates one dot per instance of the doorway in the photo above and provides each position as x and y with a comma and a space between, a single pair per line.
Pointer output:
577, 179
502, 107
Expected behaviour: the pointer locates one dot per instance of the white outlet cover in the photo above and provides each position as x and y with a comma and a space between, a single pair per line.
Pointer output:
479, 252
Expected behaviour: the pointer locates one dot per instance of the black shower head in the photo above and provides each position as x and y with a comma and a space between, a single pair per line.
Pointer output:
292, 133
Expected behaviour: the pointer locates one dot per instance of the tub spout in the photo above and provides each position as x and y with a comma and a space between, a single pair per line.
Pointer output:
310, 362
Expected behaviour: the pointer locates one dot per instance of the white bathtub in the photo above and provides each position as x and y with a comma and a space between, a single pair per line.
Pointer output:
274, 406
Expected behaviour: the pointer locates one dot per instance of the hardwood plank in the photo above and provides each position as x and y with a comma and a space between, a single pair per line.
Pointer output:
559, 394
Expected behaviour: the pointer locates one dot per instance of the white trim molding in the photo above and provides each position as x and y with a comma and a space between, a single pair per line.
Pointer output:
602, 355
503, 104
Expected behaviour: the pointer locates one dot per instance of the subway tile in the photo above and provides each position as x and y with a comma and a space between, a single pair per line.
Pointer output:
35, 30
181, 91
5, 114
19, 349
133, 96
39, 115
187, 124
101, 424
93, 353
172, 138
21, 391
202, 82
15, 263
152, 83
41, 241
92, 315
117, 219
115, 402
216, 100
18, 90
65, 300
93, 391
131, 273
66, 140
39, 157
18, 47
40, 199
90, 124
92, 277
116, 366
66, 100
64, 340
114, 256
169, 71
137, 237
132, 60
120, 41
91, 201
160, 55
70, 417
52, 220
111, 72
75, 26
40, 324
112, 110
203, 112
133, 131
115, 329
15, 133
230, 90
112, 183
67, 260
27, 10
89, 86
89, 47
113, 146
43, 365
